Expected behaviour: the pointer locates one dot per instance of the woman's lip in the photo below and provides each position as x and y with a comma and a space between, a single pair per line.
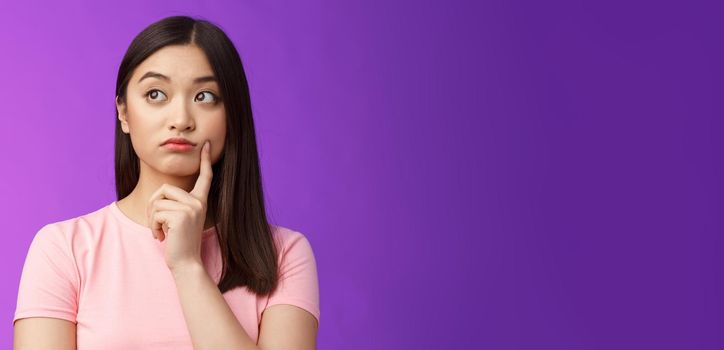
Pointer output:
178, 146
178, 140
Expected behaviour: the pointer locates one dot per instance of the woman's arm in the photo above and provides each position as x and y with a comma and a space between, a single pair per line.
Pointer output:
212, 324
285, 326
35, 333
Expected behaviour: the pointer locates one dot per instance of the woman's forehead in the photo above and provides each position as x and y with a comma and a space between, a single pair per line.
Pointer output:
175, 64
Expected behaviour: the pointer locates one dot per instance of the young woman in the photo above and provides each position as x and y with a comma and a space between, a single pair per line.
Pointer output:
185, 259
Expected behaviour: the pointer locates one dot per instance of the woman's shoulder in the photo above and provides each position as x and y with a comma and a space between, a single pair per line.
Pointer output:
290, 240
286, 234
80, 225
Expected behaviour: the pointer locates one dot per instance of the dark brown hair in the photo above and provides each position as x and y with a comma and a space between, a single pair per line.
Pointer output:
249, 255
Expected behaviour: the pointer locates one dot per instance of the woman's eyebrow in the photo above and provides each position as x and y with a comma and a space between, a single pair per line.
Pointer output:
152, 74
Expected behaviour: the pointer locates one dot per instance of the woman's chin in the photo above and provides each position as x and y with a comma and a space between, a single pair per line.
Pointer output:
179, 170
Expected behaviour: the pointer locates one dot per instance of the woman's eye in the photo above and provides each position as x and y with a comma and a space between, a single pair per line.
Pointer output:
211, 99
153, 94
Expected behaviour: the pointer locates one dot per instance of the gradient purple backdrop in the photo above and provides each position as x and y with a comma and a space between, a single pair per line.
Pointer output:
471, 175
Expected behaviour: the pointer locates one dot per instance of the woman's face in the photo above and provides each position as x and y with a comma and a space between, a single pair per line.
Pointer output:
173, 93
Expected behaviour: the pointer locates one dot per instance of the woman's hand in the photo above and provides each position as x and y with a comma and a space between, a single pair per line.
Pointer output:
179, 216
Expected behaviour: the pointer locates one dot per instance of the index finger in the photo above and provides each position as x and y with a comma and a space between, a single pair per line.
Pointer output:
203, 182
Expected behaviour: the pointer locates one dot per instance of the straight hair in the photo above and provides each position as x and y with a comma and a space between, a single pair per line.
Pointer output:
248, 252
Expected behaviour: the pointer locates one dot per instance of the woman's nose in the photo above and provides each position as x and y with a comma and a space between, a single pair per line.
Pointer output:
181, 118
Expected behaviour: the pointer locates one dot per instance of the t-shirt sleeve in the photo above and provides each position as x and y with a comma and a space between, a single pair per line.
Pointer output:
49, 282
298, 282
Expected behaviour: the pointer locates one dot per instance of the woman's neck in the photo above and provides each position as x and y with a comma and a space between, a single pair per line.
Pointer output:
134, 207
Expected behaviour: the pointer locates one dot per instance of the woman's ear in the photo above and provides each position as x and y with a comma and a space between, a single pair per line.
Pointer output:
122, 115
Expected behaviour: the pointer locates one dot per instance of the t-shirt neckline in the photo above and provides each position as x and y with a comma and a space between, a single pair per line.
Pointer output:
126, 221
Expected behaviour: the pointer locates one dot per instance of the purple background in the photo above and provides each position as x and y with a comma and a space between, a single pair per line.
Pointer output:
498, 175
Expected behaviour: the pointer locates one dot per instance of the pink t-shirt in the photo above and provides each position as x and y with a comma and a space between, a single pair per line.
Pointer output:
107, 273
